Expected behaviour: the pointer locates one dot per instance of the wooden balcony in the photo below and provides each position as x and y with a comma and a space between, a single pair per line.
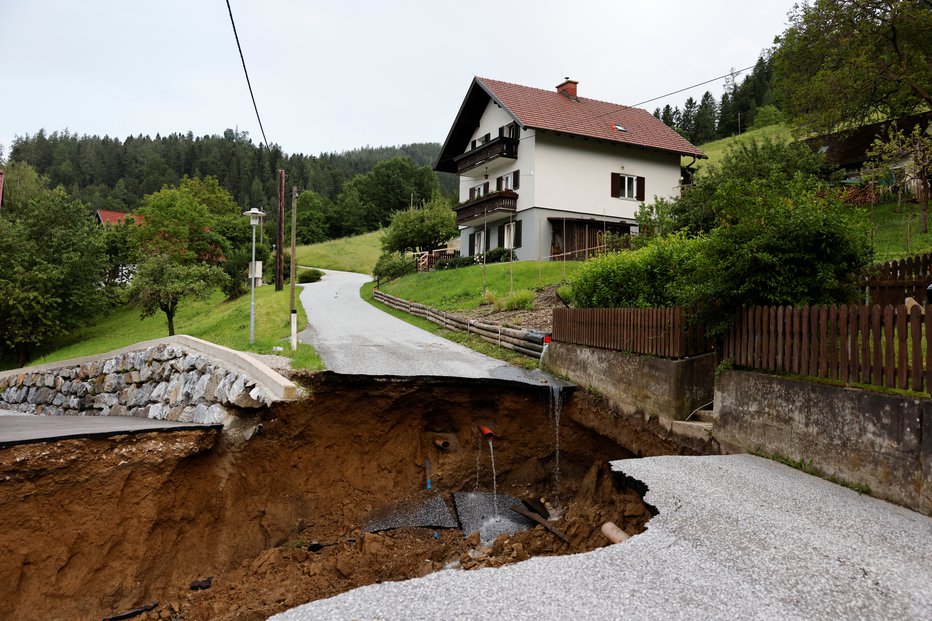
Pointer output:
502, 146
505, 201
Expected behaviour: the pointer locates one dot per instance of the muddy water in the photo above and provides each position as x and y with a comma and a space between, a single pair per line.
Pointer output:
96, 527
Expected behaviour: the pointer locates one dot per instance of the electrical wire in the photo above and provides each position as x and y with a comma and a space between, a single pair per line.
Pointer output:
248, 83
730, 73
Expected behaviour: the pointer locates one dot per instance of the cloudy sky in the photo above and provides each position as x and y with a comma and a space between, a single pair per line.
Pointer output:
332, 75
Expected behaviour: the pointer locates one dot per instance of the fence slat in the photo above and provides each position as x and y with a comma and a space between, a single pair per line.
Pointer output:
889, 361
902, 362
843, 344
915, 332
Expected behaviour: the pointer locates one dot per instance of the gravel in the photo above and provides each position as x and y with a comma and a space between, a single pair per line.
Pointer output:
736, 537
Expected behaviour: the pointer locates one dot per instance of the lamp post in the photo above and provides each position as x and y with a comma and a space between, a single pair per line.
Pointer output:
254, 215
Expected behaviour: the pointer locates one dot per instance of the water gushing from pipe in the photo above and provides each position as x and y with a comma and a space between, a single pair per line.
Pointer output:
494, 481
556, 405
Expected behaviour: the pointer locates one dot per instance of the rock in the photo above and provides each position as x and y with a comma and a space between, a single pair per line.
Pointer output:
216, 413
473, 540
109, 366
519, 553
175, 413
80, 389
159, 392
128, 394
119, 410
499, 544
157, 411
49, 380
112, 382
187, 414
142, 395
144, 373
344, 566
175, 389
134, 377
105, 399
200, 389
58, 400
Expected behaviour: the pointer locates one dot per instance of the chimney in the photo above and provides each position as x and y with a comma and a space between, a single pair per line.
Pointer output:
568, 88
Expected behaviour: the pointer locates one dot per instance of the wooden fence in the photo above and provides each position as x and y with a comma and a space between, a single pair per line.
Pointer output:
894, 281
663, 332
882, 346
527, 342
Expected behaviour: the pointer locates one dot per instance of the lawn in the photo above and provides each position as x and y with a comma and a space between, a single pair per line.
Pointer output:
716, 149
214, 319
347, 254
462, 288
895, 231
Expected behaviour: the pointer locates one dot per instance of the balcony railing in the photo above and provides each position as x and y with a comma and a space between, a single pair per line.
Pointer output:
502, 146
505, 201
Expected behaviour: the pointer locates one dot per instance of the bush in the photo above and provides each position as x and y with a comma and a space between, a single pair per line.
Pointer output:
497, 255
519, 300
392, 265
309, 276
454, 262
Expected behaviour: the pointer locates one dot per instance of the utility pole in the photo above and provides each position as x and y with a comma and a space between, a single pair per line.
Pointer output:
294, 228
280, 237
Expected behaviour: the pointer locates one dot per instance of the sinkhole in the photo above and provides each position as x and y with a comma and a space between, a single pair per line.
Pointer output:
365, 480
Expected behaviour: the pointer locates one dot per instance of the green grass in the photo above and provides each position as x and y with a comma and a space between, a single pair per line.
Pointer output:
810, 468
214, 319
895, 231
471, 341
348, 254
716, 149
461, 289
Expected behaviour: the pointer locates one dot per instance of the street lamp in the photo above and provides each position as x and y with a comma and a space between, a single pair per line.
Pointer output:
254, 216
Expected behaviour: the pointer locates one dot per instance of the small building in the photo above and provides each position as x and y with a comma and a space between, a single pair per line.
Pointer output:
548, 173
105, 216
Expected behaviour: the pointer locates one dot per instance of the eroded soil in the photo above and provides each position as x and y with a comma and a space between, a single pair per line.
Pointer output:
96, 527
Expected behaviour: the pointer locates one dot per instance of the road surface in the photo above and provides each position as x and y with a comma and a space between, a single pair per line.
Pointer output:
354, 337
736, 537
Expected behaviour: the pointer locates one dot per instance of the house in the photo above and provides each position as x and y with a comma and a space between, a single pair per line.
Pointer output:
847, 150
105, 216
547, 173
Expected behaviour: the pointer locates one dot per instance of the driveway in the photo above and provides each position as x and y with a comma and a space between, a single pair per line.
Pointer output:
737, 537
354, 337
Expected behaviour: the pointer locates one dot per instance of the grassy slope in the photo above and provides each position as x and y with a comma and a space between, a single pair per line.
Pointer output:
461, 288
348, 254
214, 319
716, 149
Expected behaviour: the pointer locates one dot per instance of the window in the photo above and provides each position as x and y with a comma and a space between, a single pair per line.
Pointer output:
628, 187
478, 191
509, 235
509, 181
477, 243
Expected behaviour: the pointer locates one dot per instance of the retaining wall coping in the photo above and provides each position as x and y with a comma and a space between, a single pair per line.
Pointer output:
277, 386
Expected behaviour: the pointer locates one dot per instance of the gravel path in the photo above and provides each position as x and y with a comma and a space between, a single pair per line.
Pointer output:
354, 337
737, 537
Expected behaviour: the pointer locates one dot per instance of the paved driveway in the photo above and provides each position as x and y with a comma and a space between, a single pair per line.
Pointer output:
737, 537
354, 337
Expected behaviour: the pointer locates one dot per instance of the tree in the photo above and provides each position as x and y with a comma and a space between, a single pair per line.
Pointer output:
391, 185
423, 228
843, 63
705, 120
53, 260
182, 253
162, 281
313, 212
909, 158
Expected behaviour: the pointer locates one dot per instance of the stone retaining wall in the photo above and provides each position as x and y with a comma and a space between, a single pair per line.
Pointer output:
164, 382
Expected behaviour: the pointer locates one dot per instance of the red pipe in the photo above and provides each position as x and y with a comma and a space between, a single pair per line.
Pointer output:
486, 432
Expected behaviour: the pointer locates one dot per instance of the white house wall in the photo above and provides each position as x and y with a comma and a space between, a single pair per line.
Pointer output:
575, 174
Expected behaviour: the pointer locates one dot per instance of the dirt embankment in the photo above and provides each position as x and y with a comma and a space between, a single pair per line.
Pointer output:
96, 527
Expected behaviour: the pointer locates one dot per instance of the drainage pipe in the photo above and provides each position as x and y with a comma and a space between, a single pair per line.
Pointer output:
441, 443
486, 432
613, 533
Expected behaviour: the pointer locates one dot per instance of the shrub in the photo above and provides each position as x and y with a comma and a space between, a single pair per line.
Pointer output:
309, 276
454, 262
392, 265
497, 255
519, 300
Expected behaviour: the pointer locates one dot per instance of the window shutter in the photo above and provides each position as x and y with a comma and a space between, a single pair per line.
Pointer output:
616, 185
501, 236
472, 193
514, 179
516, 242
487, 137
498, 184
640, 189
472, 244
485, 188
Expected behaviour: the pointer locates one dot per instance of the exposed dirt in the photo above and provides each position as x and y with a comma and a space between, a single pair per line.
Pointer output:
96, 527
541, 318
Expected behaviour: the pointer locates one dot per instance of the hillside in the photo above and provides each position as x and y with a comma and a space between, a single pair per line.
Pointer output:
716, 149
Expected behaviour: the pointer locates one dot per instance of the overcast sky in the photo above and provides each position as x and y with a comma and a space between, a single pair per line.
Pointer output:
339, 74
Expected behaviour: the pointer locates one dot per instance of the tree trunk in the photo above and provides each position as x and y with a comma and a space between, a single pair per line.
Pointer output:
925, 209
22, 355
171, 322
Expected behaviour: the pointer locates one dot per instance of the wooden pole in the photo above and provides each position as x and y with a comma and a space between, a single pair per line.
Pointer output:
294, 276
280, 236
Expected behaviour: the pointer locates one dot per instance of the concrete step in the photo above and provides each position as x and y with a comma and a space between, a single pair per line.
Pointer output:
692, 429
705, 416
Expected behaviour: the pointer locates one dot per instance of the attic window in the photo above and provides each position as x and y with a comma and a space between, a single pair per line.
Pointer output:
620, 127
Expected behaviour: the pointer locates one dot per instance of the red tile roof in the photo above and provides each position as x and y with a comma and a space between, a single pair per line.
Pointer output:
551, 111
112, 217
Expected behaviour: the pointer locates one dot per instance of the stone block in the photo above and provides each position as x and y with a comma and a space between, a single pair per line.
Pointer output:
145, 372
105, 399
200, 389
159, 392
142, 395
157, 411
49, 380
58, 399
119, 410
128, 394
110, 365
187, 414
133, 376
112, 382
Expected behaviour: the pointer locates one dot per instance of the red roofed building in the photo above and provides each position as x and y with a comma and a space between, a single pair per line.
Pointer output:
548, 172
105, 216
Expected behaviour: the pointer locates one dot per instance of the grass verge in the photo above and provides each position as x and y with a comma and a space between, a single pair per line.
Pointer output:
347, 254
808, 467
214, 319
462, 288
471, 341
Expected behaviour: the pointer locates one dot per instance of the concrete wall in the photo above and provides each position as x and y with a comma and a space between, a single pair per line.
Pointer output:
670, 389
856, 435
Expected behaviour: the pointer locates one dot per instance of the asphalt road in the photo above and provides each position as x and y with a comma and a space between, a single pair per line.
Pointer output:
353, 337
18, 428
736, 537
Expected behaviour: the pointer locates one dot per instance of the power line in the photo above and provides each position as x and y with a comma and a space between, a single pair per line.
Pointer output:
732, 73
248, 83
